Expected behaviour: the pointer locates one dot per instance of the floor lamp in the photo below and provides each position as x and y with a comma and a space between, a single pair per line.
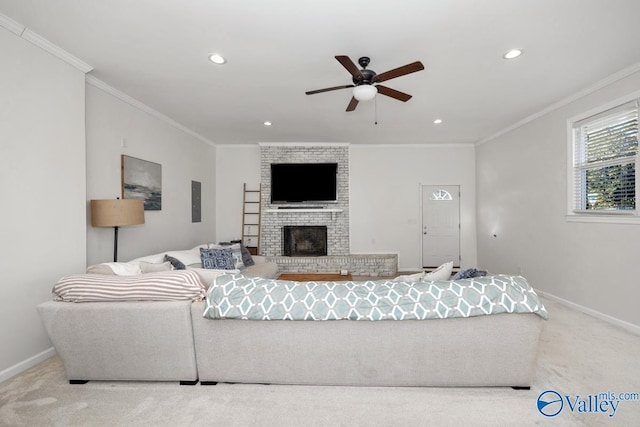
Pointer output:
116, 213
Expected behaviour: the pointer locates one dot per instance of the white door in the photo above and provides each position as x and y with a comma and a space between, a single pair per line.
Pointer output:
440, 225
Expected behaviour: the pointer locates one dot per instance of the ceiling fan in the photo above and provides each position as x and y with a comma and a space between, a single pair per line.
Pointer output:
365, 81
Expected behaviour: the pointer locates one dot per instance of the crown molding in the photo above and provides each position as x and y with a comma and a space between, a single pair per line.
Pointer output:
55, 50
231, 145
587, 91
340, 144
421, 145
303, 144
11, 25
44, 44
93, 81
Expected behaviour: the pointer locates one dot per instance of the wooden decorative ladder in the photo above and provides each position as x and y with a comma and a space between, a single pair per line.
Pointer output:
251, 219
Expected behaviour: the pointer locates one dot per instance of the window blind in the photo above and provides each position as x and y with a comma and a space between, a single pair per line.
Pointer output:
605, 156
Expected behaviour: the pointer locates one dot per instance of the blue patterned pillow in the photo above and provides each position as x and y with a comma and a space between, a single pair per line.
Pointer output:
469, 273
219, 259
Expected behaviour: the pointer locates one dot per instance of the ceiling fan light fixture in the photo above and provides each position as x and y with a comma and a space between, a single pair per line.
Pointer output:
364, 92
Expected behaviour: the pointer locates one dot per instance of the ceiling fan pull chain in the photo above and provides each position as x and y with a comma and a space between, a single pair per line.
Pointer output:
375, 107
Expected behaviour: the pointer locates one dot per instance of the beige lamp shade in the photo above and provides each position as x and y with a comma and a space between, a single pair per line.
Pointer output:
117, 212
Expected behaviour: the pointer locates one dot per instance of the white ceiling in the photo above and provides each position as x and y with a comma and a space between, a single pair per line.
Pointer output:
156, 52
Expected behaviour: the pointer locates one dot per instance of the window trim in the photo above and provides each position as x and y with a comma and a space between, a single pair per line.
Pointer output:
616, 217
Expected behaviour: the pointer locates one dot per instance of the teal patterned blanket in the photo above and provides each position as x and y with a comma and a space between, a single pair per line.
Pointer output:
233, 296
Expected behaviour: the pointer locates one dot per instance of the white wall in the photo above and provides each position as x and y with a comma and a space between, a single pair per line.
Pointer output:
184, 158
42, 223
384, 195
522, 198
385, 187
235, 165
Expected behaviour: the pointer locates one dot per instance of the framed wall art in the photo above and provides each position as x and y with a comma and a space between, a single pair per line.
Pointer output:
142, 180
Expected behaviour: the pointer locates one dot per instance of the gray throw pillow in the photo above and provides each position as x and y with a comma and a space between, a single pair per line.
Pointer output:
176, 263
247, 259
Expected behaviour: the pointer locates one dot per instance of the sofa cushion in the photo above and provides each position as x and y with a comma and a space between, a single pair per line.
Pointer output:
268, 270
164, 286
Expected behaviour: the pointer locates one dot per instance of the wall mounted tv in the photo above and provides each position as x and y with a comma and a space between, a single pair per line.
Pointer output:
304, 183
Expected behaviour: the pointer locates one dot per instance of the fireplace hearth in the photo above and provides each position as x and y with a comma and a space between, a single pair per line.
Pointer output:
306, 240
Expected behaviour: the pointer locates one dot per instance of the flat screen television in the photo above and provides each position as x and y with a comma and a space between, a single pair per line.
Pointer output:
304, 183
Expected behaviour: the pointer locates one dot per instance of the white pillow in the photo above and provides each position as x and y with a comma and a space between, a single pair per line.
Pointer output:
153, 259
410, 277
150, 267
441, 273
117, 268
187, 257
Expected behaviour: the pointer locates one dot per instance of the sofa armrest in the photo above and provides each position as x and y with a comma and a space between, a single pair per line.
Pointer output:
259, 259
134, 341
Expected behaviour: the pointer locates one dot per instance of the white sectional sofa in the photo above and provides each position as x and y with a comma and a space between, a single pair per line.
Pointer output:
172, 341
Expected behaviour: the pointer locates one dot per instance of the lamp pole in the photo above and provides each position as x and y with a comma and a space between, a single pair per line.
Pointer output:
115, 243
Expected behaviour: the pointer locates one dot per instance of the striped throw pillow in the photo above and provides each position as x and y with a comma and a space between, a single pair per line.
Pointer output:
163, 286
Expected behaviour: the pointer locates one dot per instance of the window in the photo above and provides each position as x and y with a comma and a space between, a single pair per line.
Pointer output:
605, 153
440, 195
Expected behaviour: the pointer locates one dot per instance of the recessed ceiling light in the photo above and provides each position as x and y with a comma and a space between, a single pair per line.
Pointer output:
437, 121
513, 53
267, 123
216, 58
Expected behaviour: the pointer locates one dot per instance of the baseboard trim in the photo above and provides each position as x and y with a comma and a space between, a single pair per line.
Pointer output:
634, 329
26, 364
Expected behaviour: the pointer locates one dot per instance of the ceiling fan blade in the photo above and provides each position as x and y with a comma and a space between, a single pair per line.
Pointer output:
400, 71
352, 105
400, 96
312, 92
350, 66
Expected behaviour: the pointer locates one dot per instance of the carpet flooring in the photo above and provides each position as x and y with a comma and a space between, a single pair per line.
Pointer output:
579, 356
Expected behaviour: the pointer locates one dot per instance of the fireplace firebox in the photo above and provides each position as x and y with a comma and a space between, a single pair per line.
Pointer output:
307, 240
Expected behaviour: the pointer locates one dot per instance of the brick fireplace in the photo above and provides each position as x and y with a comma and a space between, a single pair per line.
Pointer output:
333, 216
